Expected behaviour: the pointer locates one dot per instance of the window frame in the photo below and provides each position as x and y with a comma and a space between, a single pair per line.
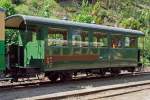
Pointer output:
102, 35
80, 32
136, 41
55, 31
121, 38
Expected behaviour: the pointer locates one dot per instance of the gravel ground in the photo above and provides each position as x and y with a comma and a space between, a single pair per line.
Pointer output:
68, 86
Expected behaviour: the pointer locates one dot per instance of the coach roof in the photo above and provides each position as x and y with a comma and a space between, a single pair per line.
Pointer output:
15, 21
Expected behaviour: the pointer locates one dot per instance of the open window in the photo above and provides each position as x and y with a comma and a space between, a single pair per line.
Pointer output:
116, 41
79, 38
57, 37
100, 40
103, 41
76, 40
130, 42
85, 39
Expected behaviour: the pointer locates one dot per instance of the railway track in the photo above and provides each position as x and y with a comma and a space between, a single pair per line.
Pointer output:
81, 88
123, 91
23, 84
37, 83
97, 93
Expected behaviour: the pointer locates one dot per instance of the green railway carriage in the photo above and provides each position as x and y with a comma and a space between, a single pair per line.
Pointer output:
60, 48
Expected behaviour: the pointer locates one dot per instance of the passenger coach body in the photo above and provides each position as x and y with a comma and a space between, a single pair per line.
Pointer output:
59, 46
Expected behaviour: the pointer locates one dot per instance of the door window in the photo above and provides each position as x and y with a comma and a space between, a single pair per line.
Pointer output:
130, 42
116, 41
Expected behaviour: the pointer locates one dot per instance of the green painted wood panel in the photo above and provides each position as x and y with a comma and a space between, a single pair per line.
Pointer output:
102, 62
123, 57
2, 56
34, 53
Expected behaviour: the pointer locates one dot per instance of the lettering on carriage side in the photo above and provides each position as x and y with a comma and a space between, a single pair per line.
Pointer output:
49, 60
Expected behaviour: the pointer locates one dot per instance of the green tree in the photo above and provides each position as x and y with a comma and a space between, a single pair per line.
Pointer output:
6, 4
145, 18
85, 13
130, 23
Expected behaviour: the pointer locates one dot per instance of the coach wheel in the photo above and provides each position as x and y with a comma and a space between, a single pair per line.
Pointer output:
53, 77
115, 72
102, 72
132, 69
139, 69
65, 76
14, 79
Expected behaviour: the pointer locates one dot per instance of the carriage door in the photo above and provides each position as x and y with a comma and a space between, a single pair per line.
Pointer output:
131, 51
15, 55
116, 51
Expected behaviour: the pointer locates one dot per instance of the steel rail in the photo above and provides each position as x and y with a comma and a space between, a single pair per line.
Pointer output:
85, 92
30, 84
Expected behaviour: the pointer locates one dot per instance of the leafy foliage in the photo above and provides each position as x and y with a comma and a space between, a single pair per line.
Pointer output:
11, 37
6, 4
130, 23
84, 13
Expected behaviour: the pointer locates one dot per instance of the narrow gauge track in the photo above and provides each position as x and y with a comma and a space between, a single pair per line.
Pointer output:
40, 83
123, 90
97, 93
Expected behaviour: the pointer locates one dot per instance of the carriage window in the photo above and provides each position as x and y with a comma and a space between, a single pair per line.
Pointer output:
95, 43
76, 40
116, 41
103, 42
100, 40
84, 36
57, 37
130, 42
80, 38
